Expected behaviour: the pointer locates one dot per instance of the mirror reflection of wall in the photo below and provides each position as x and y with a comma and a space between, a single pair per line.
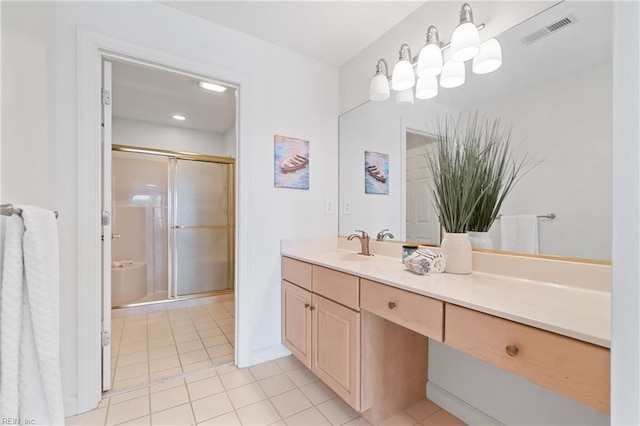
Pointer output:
557, 93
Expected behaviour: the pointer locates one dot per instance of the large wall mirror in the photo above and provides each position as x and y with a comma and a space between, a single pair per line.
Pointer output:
556, 91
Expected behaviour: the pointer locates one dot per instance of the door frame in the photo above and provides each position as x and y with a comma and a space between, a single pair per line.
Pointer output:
92, 49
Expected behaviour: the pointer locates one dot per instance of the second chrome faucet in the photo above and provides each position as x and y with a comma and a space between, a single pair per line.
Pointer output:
364, 242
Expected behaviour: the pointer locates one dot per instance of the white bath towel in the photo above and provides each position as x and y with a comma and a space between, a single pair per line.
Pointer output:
30, 379
519, 233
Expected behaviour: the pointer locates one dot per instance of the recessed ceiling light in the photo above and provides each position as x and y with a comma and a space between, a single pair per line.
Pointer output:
179, 117
210, 86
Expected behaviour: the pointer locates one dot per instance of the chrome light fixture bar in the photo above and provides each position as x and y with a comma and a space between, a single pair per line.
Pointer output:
465, 45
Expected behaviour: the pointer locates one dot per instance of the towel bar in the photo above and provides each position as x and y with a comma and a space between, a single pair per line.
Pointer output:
9, 210
540, 216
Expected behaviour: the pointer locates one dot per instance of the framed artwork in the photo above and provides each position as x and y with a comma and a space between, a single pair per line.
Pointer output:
376, 173
291, 162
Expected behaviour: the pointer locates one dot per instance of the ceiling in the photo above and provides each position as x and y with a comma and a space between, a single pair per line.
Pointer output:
330, 31
152, 95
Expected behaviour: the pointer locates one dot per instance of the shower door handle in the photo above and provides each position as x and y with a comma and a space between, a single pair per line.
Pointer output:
115, 236
179, 227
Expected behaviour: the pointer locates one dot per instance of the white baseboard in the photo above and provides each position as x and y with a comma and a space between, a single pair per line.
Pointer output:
70, 406
267, 354
459, 408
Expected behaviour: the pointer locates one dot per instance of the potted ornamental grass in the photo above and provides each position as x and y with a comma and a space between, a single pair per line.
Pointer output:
499, 171
473, 171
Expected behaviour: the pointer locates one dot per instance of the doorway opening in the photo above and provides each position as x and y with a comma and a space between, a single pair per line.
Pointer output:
169, 148
422, 225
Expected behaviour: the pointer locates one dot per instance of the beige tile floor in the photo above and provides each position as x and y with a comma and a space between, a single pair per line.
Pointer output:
280, 392
150, 347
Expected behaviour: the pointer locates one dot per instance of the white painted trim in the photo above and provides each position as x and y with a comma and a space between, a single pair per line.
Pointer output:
91, 49
267, 354
459, 408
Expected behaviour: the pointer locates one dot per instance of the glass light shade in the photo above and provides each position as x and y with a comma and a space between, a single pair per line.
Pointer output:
379, 88
403, 77
430, 61
465, 42
489, 59
404, 98
427, 87
452, 74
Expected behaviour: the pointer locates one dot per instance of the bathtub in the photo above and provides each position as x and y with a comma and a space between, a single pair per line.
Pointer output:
128, 283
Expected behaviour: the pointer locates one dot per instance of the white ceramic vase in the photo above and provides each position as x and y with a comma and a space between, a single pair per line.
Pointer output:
456, 250
480, 240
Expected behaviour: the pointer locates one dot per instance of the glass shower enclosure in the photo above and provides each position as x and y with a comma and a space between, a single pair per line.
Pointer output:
173, 217
201, 234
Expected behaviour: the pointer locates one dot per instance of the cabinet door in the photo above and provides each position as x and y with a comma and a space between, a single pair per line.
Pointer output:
336, 348
296, 321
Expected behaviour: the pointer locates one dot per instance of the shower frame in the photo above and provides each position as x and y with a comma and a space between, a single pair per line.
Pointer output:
172, 196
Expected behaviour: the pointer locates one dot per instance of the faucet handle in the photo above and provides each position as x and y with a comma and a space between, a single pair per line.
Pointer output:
364, 234
381, 233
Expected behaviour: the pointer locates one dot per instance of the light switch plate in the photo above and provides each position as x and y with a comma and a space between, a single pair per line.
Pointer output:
346, 207
329, 206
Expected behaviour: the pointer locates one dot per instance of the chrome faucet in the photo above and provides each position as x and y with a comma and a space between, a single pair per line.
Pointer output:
364, 242
384, 233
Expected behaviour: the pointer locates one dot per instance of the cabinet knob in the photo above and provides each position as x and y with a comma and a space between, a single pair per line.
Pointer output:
512, 350
312, 307
392, 305
306, 305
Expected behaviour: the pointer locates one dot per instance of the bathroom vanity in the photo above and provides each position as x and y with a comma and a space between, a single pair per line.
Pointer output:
362, 324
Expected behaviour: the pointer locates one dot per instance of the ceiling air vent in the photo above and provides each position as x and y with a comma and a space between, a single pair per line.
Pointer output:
549, 29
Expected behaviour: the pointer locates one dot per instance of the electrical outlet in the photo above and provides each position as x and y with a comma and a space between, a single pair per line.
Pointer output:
329, 206
346, 207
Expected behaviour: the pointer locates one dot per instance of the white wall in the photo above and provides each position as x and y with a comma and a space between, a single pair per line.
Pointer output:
498, 16
28, 98
172, 138
290, 94
566, 124
625, 297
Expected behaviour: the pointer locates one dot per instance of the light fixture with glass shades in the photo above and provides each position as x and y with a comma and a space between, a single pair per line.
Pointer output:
379, 86
403, 77
430, 59
430, 66
465, 41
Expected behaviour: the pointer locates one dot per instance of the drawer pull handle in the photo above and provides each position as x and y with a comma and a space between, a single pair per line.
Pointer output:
312, 308
392, 305
306, 305
512, 350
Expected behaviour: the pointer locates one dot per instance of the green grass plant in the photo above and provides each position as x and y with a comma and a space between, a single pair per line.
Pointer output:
473, 170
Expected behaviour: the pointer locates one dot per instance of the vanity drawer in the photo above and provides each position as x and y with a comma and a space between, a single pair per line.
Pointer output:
419, 313
297, 272
568, 366
337, 286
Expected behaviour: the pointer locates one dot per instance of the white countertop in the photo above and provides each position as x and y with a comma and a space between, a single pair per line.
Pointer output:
575, 312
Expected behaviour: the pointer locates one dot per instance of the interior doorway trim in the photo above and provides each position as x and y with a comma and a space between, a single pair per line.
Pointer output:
92, 49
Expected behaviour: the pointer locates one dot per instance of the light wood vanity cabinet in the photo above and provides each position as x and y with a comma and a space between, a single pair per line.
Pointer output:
323, 334
335, 332
368, 342
568, 366
296, 321
419, 313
